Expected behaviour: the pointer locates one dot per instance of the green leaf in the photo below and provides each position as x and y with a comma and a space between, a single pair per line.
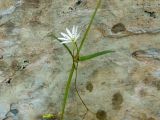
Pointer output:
89, 26
87, 57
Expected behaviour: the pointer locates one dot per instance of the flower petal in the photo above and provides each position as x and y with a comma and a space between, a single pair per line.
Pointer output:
76, 30
65, 35
77, 36
65, 42
63, 39
69, 33
73, 30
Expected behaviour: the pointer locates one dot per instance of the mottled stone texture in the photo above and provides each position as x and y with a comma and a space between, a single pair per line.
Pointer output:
124, 85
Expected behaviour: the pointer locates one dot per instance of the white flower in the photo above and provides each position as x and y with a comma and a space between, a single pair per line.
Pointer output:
71, 36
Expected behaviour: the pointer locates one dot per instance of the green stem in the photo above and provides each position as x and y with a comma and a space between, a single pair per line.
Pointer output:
89, 26
67, 48
76, 47
67, 90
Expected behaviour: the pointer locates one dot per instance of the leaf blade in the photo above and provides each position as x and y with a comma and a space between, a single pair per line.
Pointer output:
87, 57
89, 26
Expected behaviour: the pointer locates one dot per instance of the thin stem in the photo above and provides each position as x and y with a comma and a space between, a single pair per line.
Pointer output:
67, 90
77, 47
85, 115
75, 83
89, 26
67, 48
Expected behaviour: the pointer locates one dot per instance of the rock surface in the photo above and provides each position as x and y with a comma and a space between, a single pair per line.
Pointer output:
34, 68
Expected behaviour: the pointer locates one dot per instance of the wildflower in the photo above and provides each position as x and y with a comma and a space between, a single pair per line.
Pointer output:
71, 36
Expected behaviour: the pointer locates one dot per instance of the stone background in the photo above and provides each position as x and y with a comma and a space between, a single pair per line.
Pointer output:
124, 85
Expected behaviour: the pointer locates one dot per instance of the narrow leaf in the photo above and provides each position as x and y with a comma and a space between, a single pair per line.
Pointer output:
89, 26
87, 57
